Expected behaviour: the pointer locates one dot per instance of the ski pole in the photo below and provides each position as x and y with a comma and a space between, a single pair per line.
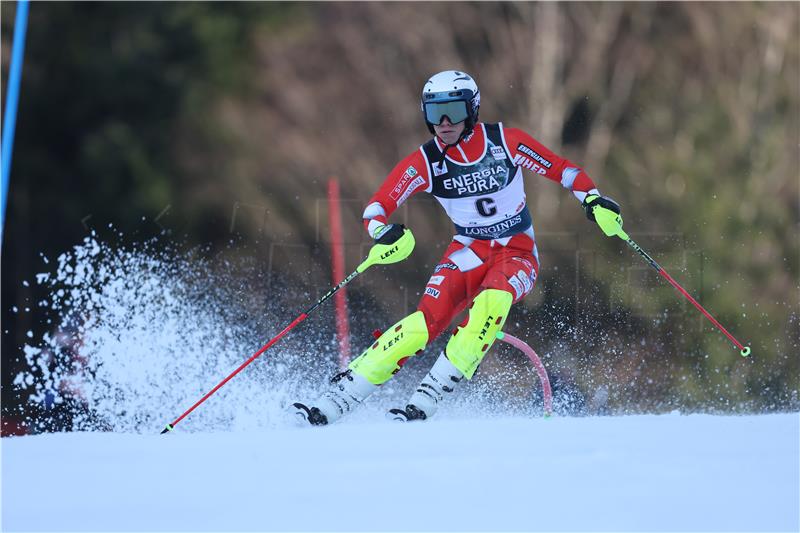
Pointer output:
383, 254
611, 224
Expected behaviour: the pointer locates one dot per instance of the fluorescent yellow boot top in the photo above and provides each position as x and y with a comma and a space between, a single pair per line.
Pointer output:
470, 343
381, 360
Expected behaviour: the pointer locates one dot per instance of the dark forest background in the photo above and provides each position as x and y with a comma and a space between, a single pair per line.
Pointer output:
220, 122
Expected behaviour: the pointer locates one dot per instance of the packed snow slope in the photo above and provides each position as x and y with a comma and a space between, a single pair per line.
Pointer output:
634, 473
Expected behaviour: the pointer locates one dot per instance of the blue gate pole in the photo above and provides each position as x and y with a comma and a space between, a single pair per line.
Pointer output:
12, 98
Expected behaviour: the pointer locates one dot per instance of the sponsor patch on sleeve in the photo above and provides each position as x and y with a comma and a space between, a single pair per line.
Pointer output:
523, 161
400, 189
533, 154
402, 182
418, 182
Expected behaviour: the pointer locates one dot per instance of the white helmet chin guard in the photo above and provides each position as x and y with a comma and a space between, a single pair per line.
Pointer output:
452, 94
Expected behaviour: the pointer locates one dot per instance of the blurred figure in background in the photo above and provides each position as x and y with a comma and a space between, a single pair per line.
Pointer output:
474, 170
64, 405
568, 398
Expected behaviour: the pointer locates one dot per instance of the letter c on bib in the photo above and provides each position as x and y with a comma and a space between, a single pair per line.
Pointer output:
485, 207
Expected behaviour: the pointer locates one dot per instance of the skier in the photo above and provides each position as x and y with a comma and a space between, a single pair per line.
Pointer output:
474, 170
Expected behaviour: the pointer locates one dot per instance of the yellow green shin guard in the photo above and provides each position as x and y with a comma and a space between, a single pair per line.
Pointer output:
381, 360
470, 343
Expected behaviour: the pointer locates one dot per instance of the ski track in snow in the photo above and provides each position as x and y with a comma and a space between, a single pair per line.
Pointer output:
634, 473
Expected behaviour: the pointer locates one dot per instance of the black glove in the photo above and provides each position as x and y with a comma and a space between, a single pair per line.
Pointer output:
389, 233
593, 200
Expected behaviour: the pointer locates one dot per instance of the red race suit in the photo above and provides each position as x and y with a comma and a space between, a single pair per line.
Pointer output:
479, 184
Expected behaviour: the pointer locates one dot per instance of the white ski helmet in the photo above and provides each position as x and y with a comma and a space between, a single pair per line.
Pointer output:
453, 94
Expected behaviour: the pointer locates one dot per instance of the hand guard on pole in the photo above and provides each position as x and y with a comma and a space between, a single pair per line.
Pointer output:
393, 243
388, 233
606, 213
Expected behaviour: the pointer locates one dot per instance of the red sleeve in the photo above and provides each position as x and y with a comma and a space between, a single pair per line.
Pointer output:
529, 153
407, 178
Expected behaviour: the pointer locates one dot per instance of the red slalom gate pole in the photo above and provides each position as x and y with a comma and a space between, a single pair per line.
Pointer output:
337, 267
537, 363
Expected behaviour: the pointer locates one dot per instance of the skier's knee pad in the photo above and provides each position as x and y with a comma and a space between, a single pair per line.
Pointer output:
385, 357
470, 342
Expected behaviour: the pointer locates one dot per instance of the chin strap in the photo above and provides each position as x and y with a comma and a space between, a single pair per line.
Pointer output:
464, 133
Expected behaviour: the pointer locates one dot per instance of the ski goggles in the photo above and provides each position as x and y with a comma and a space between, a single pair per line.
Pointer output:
456, 111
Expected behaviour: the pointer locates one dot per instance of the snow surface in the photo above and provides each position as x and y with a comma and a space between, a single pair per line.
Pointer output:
634, 473
138, 335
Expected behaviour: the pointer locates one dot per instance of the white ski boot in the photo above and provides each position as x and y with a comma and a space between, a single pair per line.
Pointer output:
347, 392
440, 381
